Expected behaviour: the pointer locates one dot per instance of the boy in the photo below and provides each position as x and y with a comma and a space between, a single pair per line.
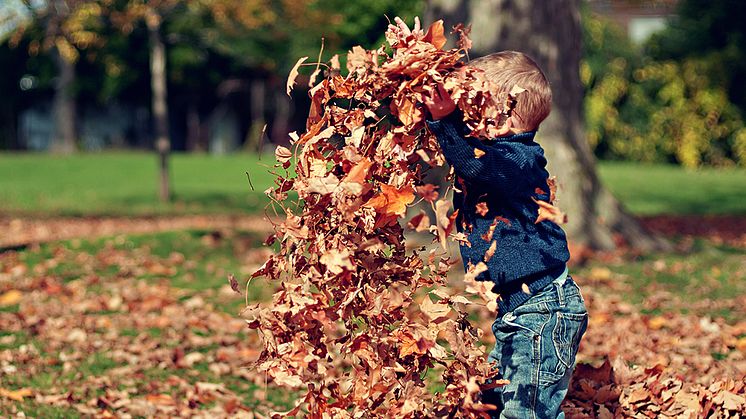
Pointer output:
542, 315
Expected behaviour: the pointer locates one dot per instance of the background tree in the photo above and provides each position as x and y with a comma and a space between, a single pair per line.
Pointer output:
63, 28
712, 30
550, 33
155, 14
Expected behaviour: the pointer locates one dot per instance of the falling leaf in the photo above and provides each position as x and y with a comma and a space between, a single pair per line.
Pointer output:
434, 311
549, 212
443, 222
283, 154
478, 153
392, 201
337, 260
293, 75
552, 183
359, 172
420, 222
436, 34
525, 289
482, 209
474, 271
490, 251
234, 283
428, 192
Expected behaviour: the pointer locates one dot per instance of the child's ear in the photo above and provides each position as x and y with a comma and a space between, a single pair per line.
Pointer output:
507, 128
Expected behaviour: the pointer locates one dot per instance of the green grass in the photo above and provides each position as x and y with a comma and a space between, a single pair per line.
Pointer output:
705, 272
668, 189
125, 184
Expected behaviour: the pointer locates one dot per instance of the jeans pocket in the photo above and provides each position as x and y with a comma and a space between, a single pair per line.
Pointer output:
566, 335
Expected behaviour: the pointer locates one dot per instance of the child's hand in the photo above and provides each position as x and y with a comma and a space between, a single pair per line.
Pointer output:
439, 103
402, 32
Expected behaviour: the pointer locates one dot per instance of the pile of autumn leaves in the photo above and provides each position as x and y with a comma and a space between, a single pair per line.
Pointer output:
345, 329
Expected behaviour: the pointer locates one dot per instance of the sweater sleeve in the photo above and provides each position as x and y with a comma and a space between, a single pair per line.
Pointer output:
504, 168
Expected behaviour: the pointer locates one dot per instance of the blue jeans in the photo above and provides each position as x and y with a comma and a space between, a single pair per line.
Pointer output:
535, 350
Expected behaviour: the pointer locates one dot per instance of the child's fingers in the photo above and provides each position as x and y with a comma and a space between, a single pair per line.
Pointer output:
442, 92
402, 26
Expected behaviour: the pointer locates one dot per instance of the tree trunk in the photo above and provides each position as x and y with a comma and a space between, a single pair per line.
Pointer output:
550, 32
64, 109
255, 135
194, 129
282, 114
159, 103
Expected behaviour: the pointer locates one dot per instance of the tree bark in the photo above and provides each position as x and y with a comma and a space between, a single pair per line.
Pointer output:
194, 129
258, 96
550, 33
64, 108
159, 104
282, 114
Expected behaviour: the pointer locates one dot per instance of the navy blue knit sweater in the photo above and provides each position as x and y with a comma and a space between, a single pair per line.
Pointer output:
506, 177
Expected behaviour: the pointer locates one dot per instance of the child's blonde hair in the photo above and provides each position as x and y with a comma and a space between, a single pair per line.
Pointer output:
507, 69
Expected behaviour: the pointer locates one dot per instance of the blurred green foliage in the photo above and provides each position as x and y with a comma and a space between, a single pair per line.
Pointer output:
208, 43
657, 107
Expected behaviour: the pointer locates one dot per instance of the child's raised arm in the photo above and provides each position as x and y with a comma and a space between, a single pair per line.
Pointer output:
501, 166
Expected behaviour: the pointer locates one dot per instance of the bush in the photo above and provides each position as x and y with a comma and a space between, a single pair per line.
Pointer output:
641, 109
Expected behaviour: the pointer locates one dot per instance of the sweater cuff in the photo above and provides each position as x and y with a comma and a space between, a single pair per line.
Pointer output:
452, 125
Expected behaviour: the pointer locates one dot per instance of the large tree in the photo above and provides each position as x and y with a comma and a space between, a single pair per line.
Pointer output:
550, 32
63, 28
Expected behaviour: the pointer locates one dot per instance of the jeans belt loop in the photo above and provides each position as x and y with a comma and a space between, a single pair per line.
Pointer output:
560, 282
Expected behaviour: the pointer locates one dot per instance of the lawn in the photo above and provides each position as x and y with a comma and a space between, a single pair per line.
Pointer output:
649, 189
131, 324
125, 184
147, 325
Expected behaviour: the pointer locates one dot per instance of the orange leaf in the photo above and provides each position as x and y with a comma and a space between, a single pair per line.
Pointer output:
482, 209
478, 153
359, 172
392, 200
10, 297
549, 212
491, 251
16, 395
436, 34
428, 192
408, 112
293, 75
420, 222
160, 399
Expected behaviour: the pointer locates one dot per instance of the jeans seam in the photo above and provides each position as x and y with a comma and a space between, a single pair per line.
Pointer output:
537, 369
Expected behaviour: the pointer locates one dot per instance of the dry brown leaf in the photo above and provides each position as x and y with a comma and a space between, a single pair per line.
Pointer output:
428, 192
548, 212
482, 209
490, 251
436, 34
293, 75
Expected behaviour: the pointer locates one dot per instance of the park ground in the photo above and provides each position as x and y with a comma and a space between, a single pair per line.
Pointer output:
112, 305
